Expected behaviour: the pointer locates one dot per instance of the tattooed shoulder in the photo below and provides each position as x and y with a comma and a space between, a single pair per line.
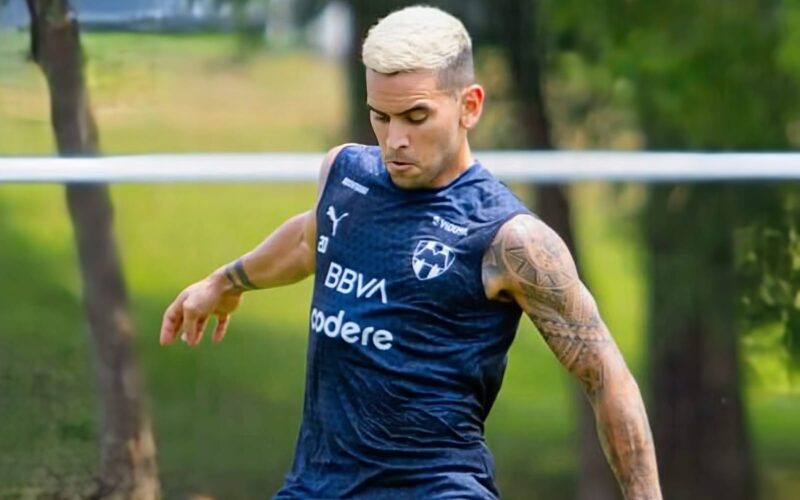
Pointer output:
536, 268
530, 257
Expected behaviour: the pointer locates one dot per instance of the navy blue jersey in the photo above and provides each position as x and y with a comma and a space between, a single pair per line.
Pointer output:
405, 354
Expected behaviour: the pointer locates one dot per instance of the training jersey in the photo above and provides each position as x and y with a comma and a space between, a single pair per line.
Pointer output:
405, 352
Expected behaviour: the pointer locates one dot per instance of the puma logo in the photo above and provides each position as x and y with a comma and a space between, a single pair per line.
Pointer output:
332, 216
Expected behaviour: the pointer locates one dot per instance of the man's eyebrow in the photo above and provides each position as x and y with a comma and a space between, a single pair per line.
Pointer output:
417, 107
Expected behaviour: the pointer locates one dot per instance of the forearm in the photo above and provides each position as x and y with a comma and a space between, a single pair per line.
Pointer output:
625, 436
286, 256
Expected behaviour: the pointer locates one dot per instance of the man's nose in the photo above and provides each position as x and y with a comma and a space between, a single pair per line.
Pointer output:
397, 138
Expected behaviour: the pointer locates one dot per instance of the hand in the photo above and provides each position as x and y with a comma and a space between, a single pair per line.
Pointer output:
190, 311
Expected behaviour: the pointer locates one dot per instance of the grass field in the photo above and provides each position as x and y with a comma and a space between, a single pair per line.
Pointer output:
226, 415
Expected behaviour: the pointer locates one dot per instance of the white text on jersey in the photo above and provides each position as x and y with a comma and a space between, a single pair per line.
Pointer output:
347, 281
351, 332
355, 186
449, 226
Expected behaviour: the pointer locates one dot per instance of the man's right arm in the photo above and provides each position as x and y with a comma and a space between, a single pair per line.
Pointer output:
286, 256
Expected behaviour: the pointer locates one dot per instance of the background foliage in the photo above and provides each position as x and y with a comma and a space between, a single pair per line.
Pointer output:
620, 74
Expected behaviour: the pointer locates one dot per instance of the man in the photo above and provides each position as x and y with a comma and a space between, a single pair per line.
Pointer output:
423, 264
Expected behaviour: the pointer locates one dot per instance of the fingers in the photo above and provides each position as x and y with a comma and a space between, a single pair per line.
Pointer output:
201, 328
188, 315
184, 319
222, 326
193, 325
172, 321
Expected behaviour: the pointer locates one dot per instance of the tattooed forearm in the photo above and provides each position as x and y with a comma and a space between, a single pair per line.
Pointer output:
234, 273
626, 440
535, 267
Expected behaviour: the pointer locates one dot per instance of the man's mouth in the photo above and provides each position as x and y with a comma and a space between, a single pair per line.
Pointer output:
400, 166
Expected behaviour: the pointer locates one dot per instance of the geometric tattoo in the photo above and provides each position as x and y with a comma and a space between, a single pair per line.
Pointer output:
528, 261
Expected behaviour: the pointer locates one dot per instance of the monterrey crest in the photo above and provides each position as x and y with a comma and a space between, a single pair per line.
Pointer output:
432, 259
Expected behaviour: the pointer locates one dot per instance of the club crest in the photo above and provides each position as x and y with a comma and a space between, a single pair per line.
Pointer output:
432, 259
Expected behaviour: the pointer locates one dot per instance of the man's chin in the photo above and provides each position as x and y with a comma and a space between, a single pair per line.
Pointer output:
405, 176
405, 181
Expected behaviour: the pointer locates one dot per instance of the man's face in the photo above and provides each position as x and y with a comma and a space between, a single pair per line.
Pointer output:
418, 127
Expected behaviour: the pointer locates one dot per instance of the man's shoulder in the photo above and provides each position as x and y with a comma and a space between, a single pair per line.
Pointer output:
352, 165
527, 230
351, 154
353, 149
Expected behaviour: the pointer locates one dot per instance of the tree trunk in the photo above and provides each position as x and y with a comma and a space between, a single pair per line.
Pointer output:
699, 422
365, 14
519, 34
595, 480
359, 130
128, 459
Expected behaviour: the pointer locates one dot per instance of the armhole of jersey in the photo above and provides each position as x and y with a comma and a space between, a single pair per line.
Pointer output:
335, 160
489, 240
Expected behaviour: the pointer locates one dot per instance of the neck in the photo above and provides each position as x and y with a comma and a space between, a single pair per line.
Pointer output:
460, 163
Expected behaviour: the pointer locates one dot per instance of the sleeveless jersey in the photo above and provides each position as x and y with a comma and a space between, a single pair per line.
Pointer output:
405, 352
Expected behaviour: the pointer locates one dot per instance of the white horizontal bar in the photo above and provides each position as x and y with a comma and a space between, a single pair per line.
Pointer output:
534, 166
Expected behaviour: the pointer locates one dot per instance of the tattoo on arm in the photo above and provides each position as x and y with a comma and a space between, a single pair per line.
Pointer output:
543, 275
538, 270
234, 273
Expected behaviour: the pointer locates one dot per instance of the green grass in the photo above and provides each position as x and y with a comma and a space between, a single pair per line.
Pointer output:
226, 416
193, 96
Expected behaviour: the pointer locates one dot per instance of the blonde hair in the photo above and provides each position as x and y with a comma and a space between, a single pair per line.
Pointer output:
421, 38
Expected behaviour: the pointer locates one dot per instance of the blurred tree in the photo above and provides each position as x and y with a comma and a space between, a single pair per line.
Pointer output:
768, 242
128, 459
706, 78
767, 257
699, 422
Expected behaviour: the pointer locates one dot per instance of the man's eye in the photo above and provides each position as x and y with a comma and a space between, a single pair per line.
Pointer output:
417, 116
379, 117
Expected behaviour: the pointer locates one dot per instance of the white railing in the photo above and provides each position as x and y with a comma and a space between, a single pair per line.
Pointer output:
560, 166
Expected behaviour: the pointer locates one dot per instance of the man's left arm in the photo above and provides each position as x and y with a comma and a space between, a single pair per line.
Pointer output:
530, 264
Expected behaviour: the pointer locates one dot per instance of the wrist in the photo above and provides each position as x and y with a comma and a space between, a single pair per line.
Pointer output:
232, 278
219, 282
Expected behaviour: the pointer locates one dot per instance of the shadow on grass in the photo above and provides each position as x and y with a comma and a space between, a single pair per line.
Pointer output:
225, 415
47, 419
220, 427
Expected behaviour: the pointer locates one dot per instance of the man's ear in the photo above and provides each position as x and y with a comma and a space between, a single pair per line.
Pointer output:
471, 105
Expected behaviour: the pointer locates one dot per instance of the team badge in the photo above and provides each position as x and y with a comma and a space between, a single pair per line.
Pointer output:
432, 259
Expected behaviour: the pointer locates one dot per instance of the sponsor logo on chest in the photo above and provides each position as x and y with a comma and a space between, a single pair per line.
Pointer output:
449, 226
349, 282
336, 325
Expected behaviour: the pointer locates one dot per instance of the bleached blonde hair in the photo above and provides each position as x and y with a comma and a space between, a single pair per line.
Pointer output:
421, 38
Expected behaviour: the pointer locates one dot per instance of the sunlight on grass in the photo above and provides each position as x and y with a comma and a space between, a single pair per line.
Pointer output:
160, 93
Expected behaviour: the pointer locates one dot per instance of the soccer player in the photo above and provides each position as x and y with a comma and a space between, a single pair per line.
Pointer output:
423, 264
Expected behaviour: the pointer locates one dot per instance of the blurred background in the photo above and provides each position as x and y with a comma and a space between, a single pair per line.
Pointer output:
699, 283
